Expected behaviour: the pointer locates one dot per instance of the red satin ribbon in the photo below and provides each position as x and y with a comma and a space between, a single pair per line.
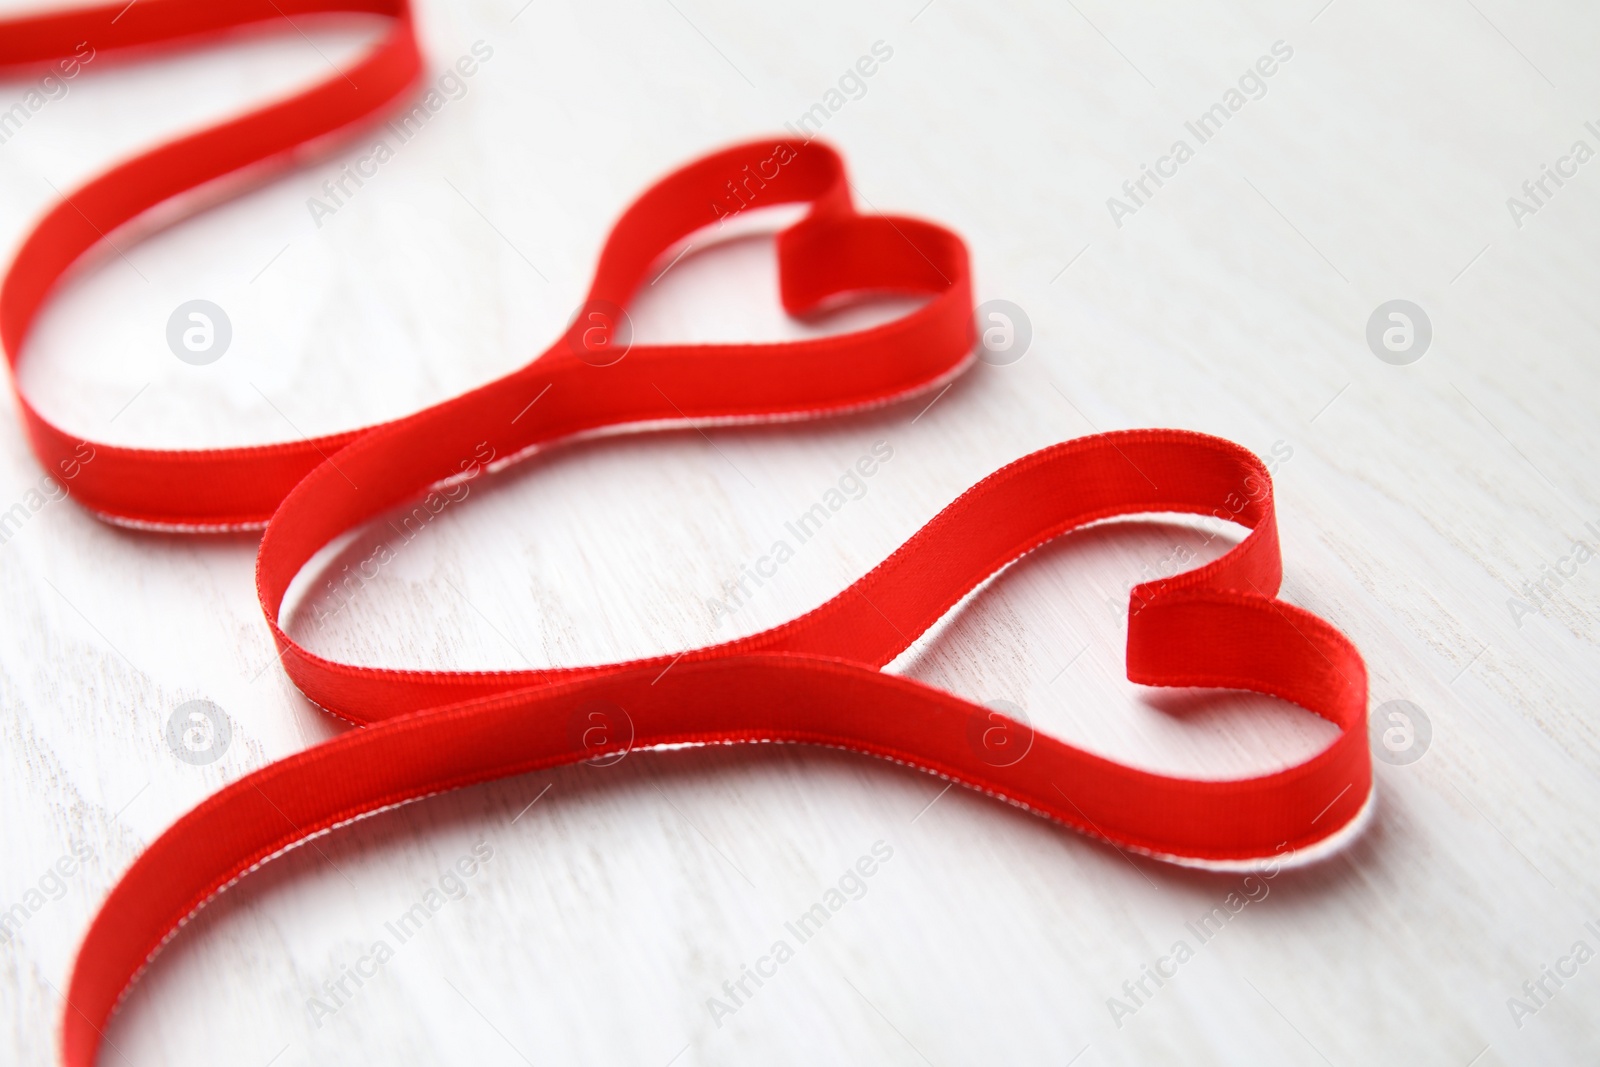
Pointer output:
815, 680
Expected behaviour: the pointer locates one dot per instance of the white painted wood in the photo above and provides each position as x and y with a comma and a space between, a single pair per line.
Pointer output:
1418, 499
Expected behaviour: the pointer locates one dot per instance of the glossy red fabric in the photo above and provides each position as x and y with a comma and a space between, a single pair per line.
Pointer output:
814, 680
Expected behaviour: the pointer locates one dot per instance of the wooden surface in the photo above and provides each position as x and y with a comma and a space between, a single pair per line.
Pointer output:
1415, 502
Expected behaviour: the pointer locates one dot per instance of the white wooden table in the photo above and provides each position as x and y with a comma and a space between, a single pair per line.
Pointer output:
1375, 163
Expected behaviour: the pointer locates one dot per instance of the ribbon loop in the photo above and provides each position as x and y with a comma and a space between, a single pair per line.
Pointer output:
710, 191
213, 489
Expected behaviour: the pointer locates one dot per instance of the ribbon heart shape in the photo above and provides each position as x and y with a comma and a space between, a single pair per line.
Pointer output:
815, 680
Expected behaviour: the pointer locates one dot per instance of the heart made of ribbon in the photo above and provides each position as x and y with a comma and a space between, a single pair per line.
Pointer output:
815, 680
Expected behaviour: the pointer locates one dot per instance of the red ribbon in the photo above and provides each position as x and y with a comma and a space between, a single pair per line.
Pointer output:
815, 680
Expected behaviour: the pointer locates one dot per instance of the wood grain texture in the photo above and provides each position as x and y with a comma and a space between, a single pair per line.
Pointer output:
1417, 501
